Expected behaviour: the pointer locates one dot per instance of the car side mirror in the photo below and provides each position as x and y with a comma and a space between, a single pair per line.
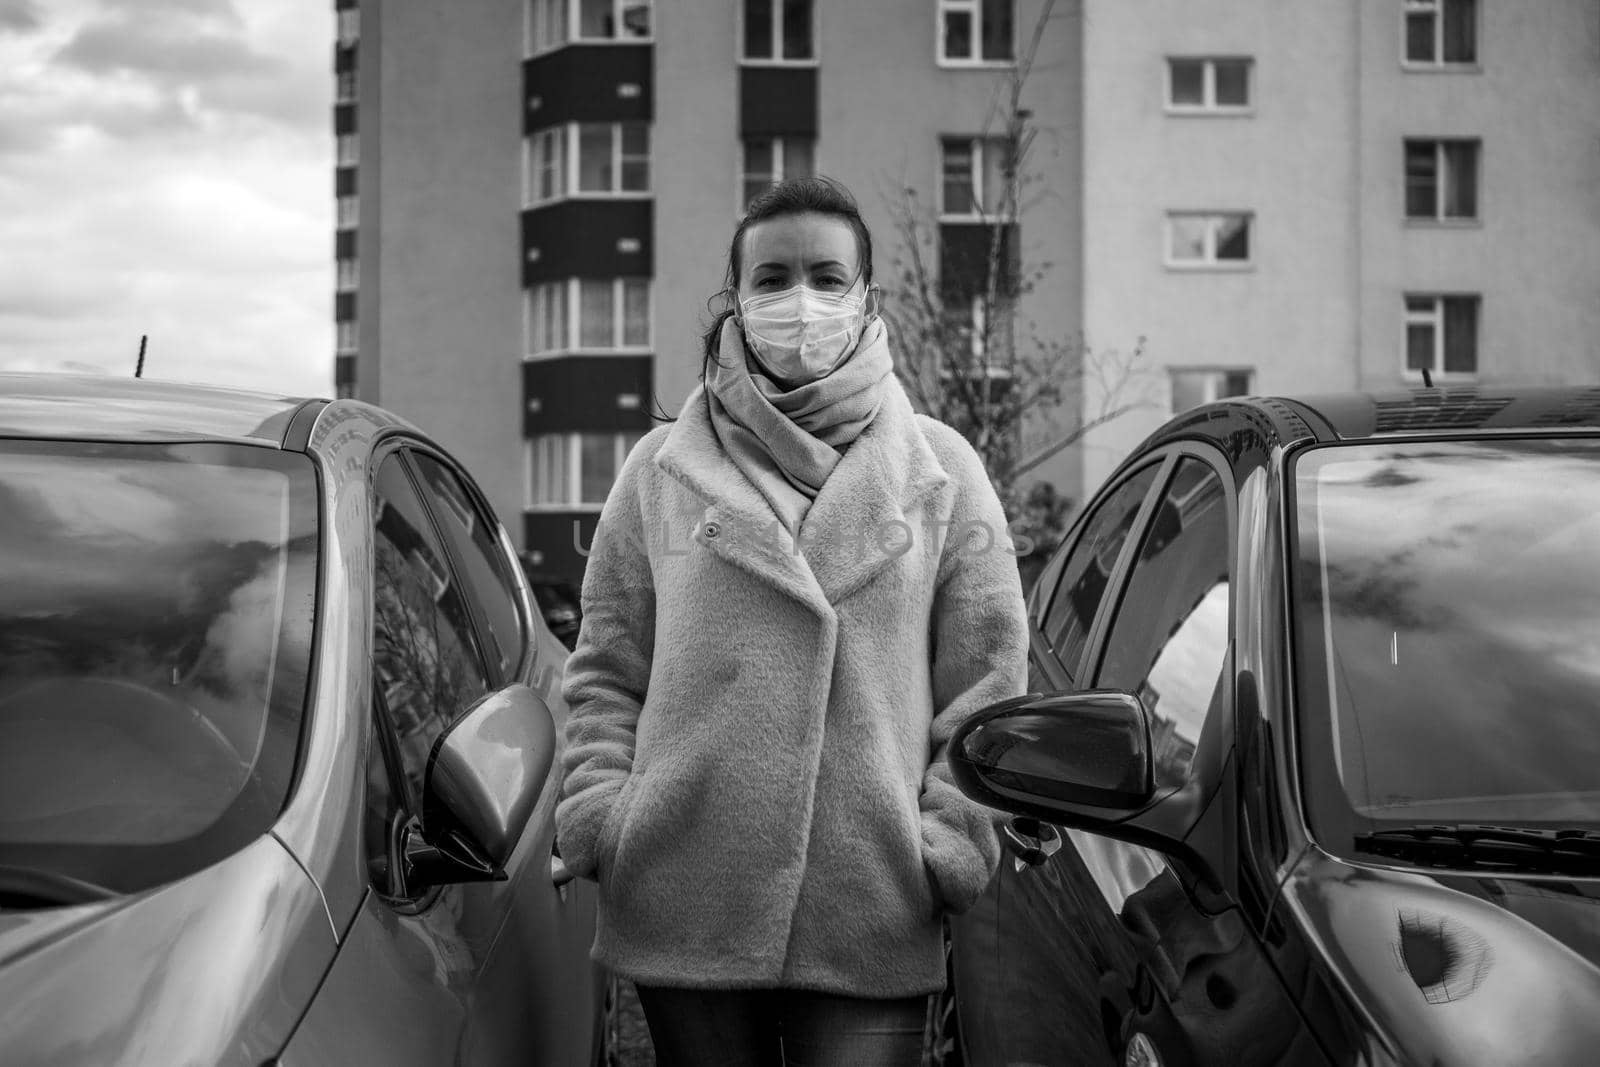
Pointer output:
484, 777
1085, 760
1046, 756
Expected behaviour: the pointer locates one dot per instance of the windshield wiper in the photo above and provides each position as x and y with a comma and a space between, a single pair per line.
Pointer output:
1485, 847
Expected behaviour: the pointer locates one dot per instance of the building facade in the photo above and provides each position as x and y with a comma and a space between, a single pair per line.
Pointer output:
1302, 196
536, 199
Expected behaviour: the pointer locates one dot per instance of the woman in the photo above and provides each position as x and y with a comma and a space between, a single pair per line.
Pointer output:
795, 592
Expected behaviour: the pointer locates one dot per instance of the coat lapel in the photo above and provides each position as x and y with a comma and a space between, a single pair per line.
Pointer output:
738, 524
865, 515
858, 524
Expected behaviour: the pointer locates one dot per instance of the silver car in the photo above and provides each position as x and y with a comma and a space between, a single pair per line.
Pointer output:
279, 725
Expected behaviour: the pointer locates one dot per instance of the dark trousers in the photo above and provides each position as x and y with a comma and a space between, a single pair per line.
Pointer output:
781, 1028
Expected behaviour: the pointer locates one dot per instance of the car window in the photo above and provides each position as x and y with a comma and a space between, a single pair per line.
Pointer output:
1447, 645
1093, 557
485, 570
156, 620
424, 661
385, 806
1169, 637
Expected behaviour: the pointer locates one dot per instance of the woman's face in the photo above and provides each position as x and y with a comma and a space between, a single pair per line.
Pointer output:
817, 250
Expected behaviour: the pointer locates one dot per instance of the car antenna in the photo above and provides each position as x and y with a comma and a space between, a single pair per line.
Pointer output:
138, 368
1427, 375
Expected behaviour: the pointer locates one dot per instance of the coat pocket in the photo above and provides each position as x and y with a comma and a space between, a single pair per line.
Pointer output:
933, 903
611, 830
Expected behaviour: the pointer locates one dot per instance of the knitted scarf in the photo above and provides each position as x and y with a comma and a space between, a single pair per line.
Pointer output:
787, 441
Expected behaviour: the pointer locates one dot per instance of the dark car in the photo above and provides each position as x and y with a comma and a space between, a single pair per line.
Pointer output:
1311, 772
279, 724
561, 601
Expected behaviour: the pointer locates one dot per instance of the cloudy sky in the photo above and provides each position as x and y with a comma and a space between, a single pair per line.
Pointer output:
166, 169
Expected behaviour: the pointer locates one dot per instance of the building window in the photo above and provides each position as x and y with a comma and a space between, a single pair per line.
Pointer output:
543, 167
547, 318
778, 31
344, 336
348, 28
972, 177
347, 149
613, 20
1441, 33
1208, 86
344, 390
613, 157
977, 31
575, 470
1441, 180
347, 276
1206, 239
769, 160
967, 322
586, 159
1192, 386
1441, 334
547, 25
553, 23
588, 314
344, 91
348, 212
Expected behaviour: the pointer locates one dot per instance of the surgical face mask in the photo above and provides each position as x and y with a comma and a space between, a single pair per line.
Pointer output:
800, 334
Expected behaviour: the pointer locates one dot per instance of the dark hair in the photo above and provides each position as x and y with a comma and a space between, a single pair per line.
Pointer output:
797, 196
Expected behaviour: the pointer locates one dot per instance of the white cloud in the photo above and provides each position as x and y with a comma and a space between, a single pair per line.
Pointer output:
167, 170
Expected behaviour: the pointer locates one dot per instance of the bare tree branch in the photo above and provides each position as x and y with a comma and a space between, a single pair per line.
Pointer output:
1019, 397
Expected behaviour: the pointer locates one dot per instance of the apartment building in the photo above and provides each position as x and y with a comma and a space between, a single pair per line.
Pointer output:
537, 197
1303, 196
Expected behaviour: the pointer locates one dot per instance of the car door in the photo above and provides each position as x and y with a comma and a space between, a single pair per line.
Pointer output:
1123, 956
543, 955
1035, 999
485, 972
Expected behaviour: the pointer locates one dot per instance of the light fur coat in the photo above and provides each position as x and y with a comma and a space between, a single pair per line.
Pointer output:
754, 769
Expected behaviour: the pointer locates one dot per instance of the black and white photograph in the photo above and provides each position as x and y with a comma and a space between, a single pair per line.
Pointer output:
799, 533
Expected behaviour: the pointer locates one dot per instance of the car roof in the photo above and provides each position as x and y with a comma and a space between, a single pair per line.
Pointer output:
1357, 416
106, 408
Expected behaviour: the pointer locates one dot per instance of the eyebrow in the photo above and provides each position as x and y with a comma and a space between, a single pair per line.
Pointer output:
818, 264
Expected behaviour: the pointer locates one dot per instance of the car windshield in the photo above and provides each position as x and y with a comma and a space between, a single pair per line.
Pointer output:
155, 646
1447, 634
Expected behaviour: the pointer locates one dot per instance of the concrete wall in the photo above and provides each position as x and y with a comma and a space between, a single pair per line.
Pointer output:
695, 174
1291, 314
1534, 254
1320, 162
883, 102
449, 326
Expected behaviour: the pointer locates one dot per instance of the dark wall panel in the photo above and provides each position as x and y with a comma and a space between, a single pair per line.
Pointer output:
588, 83
580, 394
777, 101
557, 542
344, 181
344, 370
344, 118
344, 244
344, 58
344, 307
587, 239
